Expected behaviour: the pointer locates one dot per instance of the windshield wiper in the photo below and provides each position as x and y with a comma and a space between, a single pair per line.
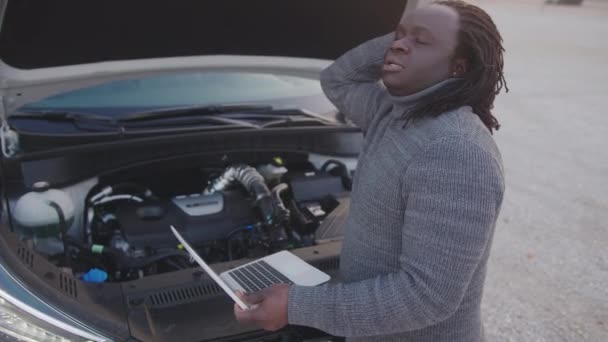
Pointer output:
64, 116
238, 112
187, 121
216, 117
297, 122
83, 121
95, 122
164, 113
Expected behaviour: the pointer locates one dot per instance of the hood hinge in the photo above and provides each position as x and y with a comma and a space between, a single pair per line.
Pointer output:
9, 139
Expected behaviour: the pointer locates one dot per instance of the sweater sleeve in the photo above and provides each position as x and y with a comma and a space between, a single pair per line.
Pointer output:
453, 192
352, 82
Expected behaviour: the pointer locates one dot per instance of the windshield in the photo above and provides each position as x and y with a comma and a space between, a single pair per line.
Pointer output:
199, 88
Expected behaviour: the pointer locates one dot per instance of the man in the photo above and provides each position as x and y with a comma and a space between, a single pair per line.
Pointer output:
427, 191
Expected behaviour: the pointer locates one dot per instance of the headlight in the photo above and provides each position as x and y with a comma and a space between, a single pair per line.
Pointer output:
19, 322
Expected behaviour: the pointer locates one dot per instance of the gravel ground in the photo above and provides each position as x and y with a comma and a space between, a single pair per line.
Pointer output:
548, 273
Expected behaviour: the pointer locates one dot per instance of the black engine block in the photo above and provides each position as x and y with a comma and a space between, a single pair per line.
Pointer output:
198, 217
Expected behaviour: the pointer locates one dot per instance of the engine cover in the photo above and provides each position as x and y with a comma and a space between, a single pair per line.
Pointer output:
198, 217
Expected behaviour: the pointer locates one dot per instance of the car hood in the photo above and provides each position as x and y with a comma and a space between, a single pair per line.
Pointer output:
48, 47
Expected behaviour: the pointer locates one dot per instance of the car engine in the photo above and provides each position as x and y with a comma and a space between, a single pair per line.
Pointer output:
241, 211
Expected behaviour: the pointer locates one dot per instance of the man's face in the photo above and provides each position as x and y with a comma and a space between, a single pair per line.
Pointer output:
422, 51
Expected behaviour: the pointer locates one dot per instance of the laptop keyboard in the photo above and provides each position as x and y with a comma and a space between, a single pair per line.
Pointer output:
258, 276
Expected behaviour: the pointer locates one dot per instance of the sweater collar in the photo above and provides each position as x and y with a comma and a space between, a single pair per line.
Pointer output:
404, 101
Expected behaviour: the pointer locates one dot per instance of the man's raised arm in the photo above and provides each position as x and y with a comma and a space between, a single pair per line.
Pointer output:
352, 82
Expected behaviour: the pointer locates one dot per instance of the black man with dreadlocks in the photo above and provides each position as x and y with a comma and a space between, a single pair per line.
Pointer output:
428, 188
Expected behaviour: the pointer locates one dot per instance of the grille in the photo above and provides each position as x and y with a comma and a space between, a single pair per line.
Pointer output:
184, 294
68, 285
26, 256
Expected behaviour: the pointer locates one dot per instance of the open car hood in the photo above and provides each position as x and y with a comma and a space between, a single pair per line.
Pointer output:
48, 47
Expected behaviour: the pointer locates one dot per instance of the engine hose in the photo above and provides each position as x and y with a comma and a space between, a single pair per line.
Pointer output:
284, 213
347, 182
118, 198
253, 182
88, 231
122, 187
63, 228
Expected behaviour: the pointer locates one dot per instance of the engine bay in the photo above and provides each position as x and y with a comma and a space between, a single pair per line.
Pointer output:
118, 230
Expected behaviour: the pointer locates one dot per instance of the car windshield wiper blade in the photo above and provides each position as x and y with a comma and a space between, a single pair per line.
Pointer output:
164, 113
298, 122
238, 112
96, 122
83, 121
281, 114
188, 121
208, 117
63, 116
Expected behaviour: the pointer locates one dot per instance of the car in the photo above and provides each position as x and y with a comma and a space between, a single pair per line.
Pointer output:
122, 118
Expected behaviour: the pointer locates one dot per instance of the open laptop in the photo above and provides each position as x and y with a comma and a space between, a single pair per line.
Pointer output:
281, 267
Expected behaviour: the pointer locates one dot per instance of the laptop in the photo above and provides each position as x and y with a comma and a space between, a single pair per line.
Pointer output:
282, 267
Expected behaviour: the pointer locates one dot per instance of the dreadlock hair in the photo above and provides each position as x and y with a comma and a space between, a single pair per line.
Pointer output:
480, 44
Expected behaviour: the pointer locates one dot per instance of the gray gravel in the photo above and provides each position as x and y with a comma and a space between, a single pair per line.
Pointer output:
548, 273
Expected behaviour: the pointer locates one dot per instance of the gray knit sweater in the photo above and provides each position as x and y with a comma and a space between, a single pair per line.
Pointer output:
424, 205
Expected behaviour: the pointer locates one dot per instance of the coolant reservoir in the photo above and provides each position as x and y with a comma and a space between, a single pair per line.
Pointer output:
37, 214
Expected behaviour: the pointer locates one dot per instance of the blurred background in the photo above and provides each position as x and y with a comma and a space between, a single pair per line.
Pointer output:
548, 273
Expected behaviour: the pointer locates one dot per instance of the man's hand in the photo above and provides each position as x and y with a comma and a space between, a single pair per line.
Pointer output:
269, 307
